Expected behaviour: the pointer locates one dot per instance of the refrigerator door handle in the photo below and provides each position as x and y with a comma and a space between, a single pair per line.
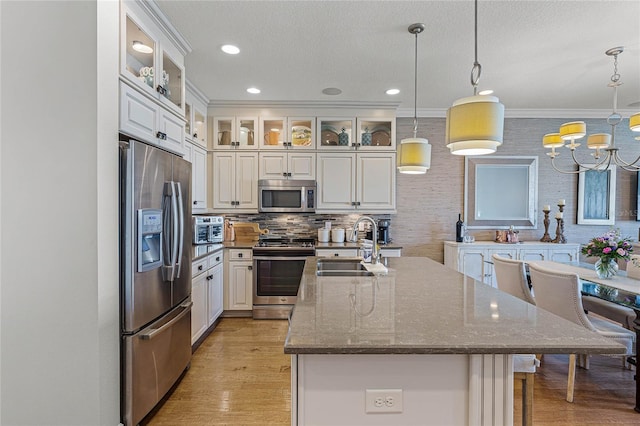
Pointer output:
171, 224
180, 227
150, 333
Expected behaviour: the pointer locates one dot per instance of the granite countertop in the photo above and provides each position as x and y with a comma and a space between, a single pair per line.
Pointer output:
348, 245
423, 307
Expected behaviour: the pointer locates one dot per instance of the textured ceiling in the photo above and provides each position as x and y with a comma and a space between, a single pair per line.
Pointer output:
535, 55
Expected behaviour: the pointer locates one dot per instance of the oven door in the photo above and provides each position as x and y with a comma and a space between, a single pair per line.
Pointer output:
276, 279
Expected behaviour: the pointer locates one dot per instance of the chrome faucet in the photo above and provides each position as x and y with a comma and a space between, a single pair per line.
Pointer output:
374, 236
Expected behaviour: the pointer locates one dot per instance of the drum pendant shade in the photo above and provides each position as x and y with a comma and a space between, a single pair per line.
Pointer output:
599, 140
414, 156
475, 125
552, 140
573, 130
634, 122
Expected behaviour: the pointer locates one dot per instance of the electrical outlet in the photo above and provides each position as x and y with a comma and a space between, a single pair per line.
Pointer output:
383, 401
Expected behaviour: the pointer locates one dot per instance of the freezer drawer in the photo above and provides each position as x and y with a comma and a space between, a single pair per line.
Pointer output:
153, 360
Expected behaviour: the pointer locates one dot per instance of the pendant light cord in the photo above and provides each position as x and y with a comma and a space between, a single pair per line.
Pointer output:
477, 68
415, 91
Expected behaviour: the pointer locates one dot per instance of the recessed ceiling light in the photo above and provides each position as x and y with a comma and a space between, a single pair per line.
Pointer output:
331, 91
392, 91
485, 92
253, 90
230, 49
139, 46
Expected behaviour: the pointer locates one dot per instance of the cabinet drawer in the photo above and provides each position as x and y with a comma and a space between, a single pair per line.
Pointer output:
215, 259
199, 266
240, 254
337, 252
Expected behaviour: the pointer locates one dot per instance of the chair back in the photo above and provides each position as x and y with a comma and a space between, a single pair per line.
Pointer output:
559, 293
511, 276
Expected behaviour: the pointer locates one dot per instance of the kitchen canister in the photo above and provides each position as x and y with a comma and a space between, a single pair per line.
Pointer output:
366, 137
323, 235
337, 235
343, 138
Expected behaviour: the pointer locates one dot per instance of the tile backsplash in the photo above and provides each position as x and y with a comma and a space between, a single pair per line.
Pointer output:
301, 225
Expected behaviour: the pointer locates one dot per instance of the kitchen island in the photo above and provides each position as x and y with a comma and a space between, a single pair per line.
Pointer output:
438, 343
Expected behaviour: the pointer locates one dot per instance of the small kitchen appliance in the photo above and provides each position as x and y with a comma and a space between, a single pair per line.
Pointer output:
208, 229
383, 232
286, 196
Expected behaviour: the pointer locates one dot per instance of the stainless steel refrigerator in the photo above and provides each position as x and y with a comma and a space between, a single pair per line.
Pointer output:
155, 275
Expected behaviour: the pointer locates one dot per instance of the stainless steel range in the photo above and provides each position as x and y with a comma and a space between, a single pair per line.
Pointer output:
277, 269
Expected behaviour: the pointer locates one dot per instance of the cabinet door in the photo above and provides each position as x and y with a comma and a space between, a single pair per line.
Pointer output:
563, 255
199, 176
376, 182
336, 133
137, 114
301, 132
301, 165
471, 262
246, 180
273, 165
224, 133
336, 181
215, 294
199, 126
246, 132
224, 171
534, 254
272, 132
199, 310
376, 134
173, 129
240, 286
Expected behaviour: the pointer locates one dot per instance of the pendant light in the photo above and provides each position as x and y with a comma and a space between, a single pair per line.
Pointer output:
414, 154
475, 123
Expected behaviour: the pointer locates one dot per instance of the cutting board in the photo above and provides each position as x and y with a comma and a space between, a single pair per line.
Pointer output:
248, 231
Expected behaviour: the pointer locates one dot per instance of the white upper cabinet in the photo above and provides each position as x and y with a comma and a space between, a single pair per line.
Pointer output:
149, 61
376, 134
235, 181
287, 165
336, 133
195, 113
235, 133
287, 133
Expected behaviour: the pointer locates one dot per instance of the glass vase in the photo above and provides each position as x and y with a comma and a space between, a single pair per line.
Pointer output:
606, 268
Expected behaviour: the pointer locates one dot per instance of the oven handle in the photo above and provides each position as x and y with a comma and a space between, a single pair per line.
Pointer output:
280, 257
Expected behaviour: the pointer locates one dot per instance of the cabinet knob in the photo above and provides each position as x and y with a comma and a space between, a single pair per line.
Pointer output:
195, 203
335, 254
250, 267
161, 90
200, 268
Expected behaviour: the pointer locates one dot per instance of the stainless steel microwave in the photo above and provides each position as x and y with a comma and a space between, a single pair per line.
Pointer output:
287, 196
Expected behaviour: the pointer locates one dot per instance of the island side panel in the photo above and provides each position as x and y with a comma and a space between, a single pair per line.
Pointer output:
331, 389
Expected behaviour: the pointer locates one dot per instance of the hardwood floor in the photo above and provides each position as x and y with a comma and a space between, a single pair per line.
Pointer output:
240, 376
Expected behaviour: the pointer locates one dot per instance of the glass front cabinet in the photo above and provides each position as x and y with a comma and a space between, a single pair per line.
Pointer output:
287, 133
153, 66
235, 132
368, 134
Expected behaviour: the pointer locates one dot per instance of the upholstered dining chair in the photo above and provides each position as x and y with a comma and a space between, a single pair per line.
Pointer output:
511, 277
559, 293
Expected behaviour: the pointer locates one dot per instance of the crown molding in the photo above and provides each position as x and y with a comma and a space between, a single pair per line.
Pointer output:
523, 113
303, 104
196, 92
160, 19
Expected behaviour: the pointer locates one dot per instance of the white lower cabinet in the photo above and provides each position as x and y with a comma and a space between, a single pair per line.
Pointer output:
474, 260
206, 293
238, 280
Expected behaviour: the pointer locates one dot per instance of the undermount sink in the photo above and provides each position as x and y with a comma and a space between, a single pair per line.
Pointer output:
342, 268
326, 273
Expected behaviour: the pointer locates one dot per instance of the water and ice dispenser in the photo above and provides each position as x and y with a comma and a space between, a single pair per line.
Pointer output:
149, 239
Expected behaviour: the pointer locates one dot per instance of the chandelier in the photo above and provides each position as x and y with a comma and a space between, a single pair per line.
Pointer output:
606, 152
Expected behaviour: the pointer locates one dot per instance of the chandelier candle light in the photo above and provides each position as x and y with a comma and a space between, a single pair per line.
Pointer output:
475, 123
414, 154
599, 142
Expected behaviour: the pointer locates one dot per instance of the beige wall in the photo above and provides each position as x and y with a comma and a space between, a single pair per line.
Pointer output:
428, 205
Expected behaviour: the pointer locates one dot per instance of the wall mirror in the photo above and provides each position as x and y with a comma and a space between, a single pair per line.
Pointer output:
500, 192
